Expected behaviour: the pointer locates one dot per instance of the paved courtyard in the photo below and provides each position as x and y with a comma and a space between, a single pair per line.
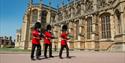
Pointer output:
76, 57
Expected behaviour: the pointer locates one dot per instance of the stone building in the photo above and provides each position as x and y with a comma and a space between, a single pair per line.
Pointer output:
6, 42
18, 39
95, 24
36, 12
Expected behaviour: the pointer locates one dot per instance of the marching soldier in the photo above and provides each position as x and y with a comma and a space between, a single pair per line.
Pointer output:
47, 41
64, 38
36, 41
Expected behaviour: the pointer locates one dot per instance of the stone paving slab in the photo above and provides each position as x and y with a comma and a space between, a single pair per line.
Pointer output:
76, 57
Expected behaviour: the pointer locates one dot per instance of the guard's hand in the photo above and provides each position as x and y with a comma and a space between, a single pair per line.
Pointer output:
42, 35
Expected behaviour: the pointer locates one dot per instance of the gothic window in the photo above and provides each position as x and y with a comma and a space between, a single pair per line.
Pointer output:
89, 27
43, 17
77, 29
105, 26
34, 15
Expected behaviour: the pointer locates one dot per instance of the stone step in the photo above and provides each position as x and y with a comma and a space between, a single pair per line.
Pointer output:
117, 47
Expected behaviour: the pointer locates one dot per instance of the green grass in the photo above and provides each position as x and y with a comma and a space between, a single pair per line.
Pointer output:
13, 50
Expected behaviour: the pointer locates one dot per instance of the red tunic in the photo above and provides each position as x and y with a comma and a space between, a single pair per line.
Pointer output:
47, 37
64, 38
36, 37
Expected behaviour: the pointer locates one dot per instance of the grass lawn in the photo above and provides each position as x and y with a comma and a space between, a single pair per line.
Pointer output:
13, 50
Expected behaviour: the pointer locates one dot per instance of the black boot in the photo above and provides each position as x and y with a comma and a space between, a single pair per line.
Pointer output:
32, 59
61, 57
51, 56
38, 58
68, 57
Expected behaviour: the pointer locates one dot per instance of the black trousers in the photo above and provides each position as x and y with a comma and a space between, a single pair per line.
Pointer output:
61, 50
45, 49
38, 51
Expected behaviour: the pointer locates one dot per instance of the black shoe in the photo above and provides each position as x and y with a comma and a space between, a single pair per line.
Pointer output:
38, 58
32, 59
61, 57
68, 57
46, 57
51, 56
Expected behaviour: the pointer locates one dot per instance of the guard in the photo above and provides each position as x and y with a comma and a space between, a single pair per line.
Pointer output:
36, 41
64, 38
47, 41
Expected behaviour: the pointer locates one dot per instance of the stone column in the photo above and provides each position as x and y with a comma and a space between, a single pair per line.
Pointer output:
94, 33
69, 13
59, 32
59, 39
83, 33
75, 8
123, 30
71, 26
116, 25
26, 41
112, 25
82, 8
122, 23
81, 37
123, 27
48, 17
79, 32
72, 11
56, 18
79, 26
30, 19
85, 21
23, 29
39, 15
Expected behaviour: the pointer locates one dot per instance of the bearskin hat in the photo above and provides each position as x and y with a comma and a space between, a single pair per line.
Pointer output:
48, 27
37, 25
64, 28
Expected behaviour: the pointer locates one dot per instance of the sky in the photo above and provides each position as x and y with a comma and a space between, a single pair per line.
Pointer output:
12, 12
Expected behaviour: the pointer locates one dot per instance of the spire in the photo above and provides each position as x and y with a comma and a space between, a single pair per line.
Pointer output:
49, 4
62, 2
30, 2
41, 3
